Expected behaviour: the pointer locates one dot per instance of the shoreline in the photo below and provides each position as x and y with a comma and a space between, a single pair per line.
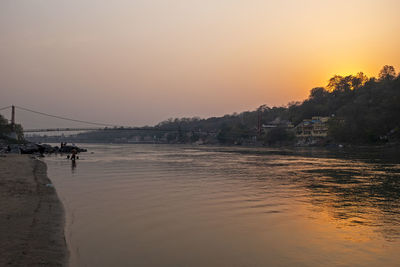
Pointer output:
32, 217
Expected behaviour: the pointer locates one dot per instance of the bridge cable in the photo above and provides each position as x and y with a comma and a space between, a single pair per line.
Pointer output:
5, 108
64, 118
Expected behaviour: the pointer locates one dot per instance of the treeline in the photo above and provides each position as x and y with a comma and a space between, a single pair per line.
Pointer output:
362, 110
229, 129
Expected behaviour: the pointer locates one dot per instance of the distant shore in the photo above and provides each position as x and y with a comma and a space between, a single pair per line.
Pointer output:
31, 215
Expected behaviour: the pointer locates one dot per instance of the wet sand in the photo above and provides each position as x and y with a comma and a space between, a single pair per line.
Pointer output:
31, 215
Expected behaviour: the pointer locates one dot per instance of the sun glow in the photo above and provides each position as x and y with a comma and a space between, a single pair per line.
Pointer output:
216, 58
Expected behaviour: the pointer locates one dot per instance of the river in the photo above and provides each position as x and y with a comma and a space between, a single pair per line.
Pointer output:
171, 205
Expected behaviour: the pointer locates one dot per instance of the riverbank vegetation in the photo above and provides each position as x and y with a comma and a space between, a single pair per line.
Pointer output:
10, 133
361, 110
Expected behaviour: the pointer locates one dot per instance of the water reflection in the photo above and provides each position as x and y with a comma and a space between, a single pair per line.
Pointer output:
362, 194
73, 166
358, 193
254, 207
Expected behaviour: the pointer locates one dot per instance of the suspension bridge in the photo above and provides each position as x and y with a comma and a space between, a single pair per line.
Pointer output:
94, 125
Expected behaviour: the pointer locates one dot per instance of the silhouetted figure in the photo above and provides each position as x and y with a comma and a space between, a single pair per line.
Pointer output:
73, 155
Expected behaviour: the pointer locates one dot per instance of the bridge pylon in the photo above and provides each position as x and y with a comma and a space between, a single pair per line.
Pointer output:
13, 117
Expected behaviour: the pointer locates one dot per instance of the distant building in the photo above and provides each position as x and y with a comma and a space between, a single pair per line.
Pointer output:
317, 127
277, 123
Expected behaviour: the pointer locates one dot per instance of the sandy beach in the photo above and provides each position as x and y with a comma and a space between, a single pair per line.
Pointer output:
31, 215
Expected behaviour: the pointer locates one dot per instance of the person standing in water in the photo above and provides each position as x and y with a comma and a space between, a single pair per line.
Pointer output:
73, 154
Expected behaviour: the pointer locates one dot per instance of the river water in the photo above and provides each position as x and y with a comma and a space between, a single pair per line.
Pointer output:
162, 205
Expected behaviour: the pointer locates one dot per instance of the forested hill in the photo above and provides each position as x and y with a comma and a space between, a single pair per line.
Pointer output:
362, 110
366, 110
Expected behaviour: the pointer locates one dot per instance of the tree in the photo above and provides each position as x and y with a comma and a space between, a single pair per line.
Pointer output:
223, 135
6, 129
4, 126
339, 84
318, 93
359, 80
278, 135
387, 73
345, 84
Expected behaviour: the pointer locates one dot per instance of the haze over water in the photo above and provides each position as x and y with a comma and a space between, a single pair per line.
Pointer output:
162, 205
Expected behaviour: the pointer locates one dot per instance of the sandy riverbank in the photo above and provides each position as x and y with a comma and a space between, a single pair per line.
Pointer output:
31, 215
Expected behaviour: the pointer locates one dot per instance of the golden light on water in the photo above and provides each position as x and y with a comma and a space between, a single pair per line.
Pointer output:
253, 209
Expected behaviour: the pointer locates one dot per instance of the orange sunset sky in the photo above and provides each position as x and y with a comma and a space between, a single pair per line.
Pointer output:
141, 62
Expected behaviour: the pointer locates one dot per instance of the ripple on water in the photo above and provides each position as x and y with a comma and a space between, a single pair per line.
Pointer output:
228, 207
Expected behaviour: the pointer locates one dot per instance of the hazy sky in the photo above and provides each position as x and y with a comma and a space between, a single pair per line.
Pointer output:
141, 62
